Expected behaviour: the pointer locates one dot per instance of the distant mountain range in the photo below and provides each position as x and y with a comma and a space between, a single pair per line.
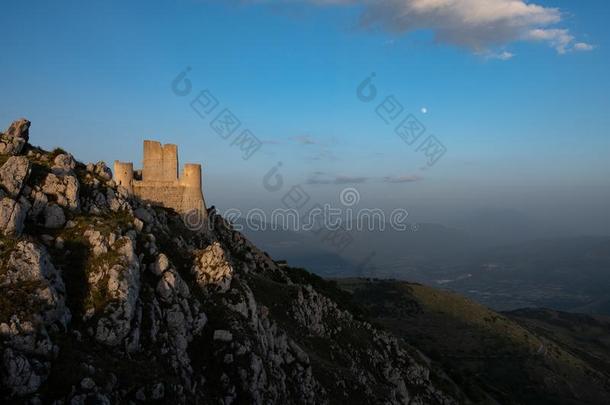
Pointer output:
570, 274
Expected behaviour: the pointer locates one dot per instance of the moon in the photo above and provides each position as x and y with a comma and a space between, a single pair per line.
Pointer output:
424, 110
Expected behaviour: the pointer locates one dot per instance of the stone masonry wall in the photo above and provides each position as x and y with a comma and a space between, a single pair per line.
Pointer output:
160, 184
160, 193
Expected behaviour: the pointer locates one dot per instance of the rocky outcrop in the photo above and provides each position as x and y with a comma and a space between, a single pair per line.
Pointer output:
12, 217
63, 189
15, 137
113, 282
13, 174
105, 299
35, 305
212, 268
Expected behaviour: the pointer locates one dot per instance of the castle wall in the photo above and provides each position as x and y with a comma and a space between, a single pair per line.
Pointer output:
160, 184
160, 193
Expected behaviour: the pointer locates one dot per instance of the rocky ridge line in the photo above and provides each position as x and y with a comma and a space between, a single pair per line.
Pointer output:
106, 299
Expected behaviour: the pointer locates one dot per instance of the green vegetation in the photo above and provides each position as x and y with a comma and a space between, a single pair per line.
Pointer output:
20, 299
56, 152
488, 354
16, 299
329, 288
76, 261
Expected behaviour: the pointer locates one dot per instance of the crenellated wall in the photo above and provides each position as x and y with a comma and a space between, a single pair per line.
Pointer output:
160, 184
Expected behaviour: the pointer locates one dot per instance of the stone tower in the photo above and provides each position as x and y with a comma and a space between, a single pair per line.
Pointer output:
160, 183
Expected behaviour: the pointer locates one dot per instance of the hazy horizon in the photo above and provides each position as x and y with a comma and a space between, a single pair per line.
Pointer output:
523, 120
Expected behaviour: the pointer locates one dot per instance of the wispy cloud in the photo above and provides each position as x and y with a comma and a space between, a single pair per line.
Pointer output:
583, 47
411, 178
479, 25
320, 177
504, 55
325, 178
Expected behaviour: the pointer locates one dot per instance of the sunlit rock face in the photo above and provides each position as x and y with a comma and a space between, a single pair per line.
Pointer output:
105, 298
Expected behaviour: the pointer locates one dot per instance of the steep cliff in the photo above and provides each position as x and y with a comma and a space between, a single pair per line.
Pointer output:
104, 299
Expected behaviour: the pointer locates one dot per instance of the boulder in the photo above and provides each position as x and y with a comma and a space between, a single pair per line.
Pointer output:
99, 244
54, 217
12, 217
19, 129
63, 164
160, 265
103, 171
15, 138
13, 174
213, 268
65, 189
142, 214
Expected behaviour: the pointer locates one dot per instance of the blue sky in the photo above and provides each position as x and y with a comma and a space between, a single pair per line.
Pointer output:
524, 115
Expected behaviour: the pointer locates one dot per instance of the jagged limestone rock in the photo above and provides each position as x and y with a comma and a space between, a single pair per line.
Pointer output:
65, 190
63, 164
13, 174
121, 283
27, 347
160, 265
12, 216
30, 262
213, 268
15, 137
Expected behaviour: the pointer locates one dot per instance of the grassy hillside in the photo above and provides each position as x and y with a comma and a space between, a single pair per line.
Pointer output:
494, 357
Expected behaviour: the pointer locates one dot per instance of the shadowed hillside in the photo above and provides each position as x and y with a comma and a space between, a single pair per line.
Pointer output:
522, 357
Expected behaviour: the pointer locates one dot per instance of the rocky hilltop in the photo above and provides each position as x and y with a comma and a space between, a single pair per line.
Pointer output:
104, 299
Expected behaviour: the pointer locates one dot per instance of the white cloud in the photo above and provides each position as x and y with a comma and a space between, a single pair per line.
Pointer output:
479, 25
583, 47
560, 39
504, 55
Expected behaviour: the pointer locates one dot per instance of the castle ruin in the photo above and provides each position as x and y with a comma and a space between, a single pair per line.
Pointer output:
159, 182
